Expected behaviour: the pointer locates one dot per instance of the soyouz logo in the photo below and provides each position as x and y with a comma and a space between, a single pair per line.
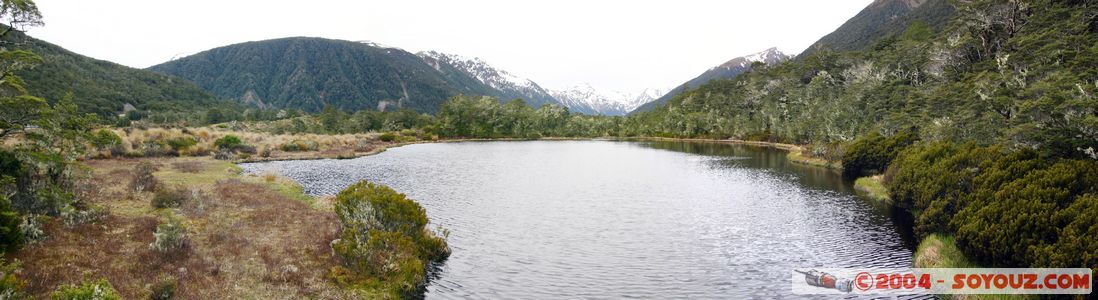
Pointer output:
817, 281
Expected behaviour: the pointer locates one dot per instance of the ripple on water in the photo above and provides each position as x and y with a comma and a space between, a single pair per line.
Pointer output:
593, 219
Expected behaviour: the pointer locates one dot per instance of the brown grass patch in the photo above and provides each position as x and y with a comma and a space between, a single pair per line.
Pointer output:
189, 166
245, 240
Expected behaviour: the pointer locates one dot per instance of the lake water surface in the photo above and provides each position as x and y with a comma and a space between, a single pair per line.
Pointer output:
603, 219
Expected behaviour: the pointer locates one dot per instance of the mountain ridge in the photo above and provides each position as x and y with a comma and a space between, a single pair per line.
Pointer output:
585, 99
729, 69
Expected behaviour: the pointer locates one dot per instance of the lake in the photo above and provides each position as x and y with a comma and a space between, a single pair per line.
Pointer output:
607, 219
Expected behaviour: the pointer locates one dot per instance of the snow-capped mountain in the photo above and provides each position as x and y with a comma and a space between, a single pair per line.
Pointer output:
508, 85
586, 99
729, 69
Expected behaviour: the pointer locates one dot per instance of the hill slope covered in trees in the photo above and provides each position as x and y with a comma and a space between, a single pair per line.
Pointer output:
880, 19
1017, 72
103, 87
309, 73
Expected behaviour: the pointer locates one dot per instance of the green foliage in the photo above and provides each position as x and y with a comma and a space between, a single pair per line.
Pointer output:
310, 73
96, 290
882, 20
871, 154
1005, 208
387, 137
170, 235
384, 236
994, 72
182, 143
103, 87
106, 139
11, 237
228, 142
10, 286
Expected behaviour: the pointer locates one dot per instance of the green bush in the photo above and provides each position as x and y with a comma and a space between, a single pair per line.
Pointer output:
871, 154
170, 235
98, 290
182, 143
387, 137
228, 142
384, 236
105, 139
1004, 208
11, 237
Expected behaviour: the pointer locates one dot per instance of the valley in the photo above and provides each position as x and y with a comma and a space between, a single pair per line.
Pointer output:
917, 134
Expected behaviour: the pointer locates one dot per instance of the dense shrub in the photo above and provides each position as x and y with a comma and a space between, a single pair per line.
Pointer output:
228, 142
182, 143
871, 154
143, 179
387, 137
107, 140
170, 235
98, 290
1004, 208
385, 236
1029, 214
11, 237
32, 228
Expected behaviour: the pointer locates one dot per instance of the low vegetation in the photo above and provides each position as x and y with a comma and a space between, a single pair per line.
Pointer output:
872, 188
385, 244
96, 290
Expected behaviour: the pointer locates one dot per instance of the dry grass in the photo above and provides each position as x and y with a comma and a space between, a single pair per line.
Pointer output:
329, 146
247, 238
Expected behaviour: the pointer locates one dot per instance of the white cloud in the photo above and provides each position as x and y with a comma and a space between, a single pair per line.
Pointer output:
616, 45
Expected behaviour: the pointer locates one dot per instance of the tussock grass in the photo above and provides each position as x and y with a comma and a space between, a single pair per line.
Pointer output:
246, 237
143, 142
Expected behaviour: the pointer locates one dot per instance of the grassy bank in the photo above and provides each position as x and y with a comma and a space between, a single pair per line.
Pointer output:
872, 188
940, 251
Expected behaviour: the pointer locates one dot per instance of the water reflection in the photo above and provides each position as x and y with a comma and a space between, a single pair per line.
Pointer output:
600, 219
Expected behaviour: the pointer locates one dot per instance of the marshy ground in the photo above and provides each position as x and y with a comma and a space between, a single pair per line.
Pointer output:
246, 236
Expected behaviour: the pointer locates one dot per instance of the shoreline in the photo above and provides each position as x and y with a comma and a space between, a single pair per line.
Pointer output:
795, 152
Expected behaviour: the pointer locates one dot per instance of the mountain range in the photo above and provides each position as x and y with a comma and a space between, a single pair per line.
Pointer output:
586, 99
880, 19
309, 73
727, 70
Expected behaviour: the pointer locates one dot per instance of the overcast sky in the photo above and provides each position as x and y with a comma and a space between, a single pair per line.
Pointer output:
613, 45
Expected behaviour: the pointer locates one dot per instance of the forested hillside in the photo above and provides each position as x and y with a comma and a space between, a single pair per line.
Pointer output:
309, 73
103, 87
727, 70
883, 18
1020, 73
